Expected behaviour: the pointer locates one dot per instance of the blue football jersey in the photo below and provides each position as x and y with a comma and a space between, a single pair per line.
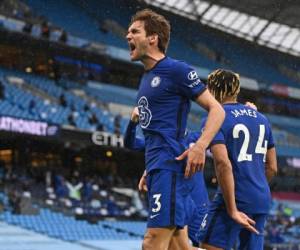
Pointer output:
247, 135
163, 101
199, 192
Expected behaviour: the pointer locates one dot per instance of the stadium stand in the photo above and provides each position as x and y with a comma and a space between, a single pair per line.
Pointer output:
61, 106
15, 237
282, 227
108, 207
68, 228
56, 105
241, 57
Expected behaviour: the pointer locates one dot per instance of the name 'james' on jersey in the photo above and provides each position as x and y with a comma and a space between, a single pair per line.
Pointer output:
164, 102
247, 135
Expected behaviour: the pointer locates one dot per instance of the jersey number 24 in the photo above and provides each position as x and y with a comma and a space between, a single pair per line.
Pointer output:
261, 144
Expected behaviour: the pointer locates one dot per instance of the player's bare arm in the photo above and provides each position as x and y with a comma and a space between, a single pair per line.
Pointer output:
135, 115
142, 183
214, 120
271, 164
216, 115
226, 182
271, 158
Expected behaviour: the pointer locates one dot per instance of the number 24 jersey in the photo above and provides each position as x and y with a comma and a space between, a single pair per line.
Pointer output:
247, 135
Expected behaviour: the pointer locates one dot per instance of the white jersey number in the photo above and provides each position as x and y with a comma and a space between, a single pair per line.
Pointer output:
145, 114
261, 145
157, 203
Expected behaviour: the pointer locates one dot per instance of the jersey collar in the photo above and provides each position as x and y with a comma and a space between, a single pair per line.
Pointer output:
156, 64
231, 103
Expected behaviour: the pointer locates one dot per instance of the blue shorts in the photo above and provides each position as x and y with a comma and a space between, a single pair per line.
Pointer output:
251, 241
169, 199
195, 223
219, 230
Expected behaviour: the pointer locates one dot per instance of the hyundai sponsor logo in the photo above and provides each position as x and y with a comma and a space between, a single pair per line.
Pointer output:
192, 75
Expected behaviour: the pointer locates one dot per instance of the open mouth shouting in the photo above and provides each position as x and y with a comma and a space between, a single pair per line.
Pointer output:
131, 48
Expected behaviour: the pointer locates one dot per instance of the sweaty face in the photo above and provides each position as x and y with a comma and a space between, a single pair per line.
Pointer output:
137, 41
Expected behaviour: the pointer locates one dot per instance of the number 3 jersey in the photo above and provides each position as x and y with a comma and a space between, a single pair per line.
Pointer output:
163, 102
247, 135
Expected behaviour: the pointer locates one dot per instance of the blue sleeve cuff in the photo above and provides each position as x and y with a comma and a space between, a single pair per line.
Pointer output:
216, 142
198, 93
132, 124
271, 146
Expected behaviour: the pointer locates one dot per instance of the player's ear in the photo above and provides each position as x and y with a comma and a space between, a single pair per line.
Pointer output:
153, 39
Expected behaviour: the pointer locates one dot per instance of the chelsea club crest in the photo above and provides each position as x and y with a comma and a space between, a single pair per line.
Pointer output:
155, 81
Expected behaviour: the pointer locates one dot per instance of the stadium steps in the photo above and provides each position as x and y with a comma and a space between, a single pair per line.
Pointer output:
290, 124
16, 238
57, 225
88, 98
33, 90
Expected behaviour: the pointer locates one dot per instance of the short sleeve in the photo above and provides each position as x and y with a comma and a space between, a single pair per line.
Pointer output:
189, 83
131, 141
192, 137
219, 137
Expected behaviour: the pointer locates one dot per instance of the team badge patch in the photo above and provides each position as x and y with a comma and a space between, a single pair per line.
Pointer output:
155, 81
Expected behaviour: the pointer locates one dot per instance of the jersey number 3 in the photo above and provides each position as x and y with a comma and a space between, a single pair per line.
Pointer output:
261, 145
144, 112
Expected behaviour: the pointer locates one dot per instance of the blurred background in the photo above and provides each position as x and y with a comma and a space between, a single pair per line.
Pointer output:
67, 88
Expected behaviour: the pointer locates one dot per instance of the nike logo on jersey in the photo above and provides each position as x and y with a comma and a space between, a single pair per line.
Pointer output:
153, 216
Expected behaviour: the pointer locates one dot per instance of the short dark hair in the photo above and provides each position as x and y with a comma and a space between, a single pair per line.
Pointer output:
154, 24
223, 83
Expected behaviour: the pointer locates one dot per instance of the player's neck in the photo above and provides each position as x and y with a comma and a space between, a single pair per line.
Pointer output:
151, 59
227, 100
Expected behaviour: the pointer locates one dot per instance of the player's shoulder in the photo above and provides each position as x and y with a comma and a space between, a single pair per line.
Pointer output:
239, 109
179, 66
176, 62
262, 117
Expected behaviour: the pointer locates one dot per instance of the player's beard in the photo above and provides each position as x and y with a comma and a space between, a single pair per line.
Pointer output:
145, 56
141, 52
